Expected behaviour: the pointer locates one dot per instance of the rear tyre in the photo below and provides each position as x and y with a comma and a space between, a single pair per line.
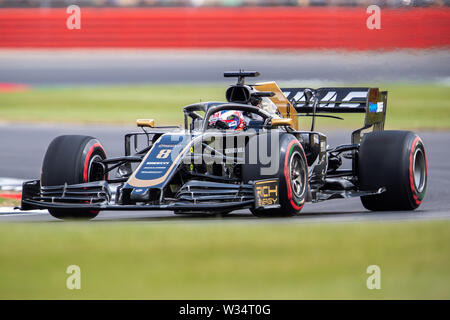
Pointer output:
72, 159
397, 161
292, 178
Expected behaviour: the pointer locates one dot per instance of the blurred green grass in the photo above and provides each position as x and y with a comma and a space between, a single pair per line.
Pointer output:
4, 202
214, 260
410, 106
108, 104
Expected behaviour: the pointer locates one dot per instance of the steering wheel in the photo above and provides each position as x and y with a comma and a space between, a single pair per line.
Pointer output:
219, 124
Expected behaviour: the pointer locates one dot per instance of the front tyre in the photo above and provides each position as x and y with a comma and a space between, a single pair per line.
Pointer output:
292, 177
397, 161
73, 159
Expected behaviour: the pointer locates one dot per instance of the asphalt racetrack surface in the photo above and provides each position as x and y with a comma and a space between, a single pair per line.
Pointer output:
24, 146
65, 67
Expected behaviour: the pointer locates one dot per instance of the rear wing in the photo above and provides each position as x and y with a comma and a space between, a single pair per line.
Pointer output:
370, 101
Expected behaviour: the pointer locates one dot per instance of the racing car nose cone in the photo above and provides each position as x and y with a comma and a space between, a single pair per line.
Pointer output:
140, 194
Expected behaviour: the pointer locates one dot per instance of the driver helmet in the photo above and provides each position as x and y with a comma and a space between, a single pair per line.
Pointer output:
234, 119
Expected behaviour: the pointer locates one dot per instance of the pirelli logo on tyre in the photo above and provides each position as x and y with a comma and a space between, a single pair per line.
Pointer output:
266, 193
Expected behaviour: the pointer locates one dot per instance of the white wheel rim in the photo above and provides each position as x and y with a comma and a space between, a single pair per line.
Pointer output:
297, 174
419, 170
94, 158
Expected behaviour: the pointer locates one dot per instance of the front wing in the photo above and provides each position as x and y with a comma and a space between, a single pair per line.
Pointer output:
97, 196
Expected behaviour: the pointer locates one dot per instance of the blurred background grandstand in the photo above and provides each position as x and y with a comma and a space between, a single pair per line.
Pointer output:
220, 3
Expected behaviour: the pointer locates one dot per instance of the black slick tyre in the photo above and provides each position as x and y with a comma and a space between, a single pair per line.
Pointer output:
292, 175
72, 159
395, 160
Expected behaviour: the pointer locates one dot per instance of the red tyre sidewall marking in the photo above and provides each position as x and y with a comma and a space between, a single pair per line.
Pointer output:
86, 166
411, 175
88, 157
287, 177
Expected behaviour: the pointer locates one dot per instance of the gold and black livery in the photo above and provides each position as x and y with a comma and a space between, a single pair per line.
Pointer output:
273, 166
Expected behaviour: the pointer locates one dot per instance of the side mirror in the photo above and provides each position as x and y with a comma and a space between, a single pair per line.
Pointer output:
150, 123
281, 122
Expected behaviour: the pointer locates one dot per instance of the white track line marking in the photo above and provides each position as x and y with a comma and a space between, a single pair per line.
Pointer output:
7, 215
11, 184
10, 212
